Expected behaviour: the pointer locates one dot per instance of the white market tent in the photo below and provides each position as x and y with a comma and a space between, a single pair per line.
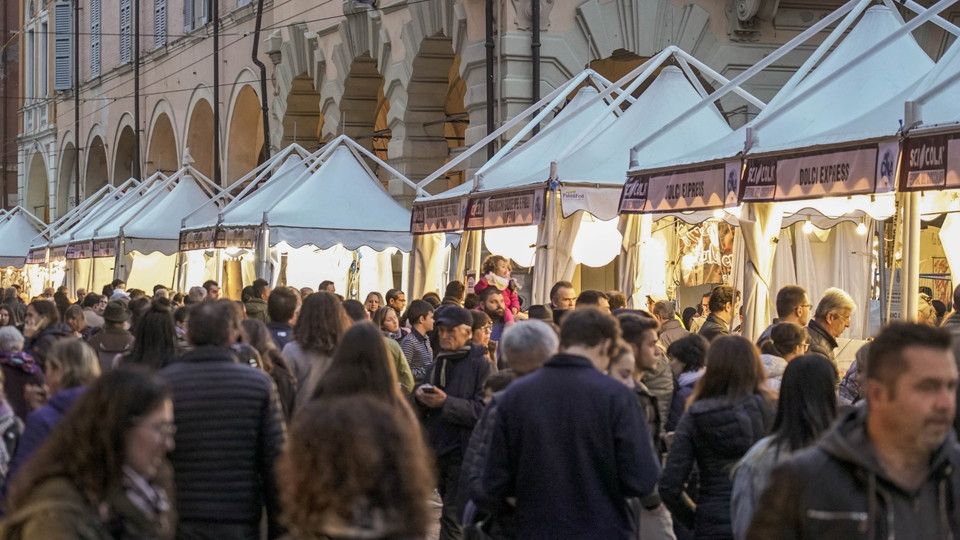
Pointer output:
320, 216
580, 159
813, 115
18, 228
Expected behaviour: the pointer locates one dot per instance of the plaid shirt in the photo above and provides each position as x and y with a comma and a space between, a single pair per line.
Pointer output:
416, 348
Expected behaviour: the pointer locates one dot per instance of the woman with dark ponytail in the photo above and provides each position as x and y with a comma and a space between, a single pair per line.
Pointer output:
787, 341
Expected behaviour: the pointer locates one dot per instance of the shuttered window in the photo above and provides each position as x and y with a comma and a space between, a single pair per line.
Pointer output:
187, 15
126, 32
159, 23
63, 46
95, 31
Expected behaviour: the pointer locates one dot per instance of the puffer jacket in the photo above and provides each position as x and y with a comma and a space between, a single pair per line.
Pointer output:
821, 342
713, 435
774, 366
750, 477
838, 490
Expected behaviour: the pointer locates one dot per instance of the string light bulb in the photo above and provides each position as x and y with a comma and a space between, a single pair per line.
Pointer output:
808, 226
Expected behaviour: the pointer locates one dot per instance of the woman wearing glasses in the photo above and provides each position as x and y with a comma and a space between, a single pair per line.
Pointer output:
103, 473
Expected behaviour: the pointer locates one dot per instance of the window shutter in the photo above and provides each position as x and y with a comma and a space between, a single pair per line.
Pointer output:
126, 41
187, 15
63, 45
159, 23
204, 12
95, 27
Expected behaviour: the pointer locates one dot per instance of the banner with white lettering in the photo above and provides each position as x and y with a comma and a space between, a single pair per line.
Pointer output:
442, 216
236, 237
706, 188
505, 210
105, 248
930, 163
80, 250
852, 171
202, 239
37, 256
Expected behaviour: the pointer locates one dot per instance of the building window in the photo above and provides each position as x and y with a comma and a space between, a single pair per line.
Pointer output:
29, 64
95, 30
196, 13
126, 32
159, 23
62, 49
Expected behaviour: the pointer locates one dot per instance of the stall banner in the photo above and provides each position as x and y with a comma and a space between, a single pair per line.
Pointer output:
704, 188
601, 202
104, 248
851, 171
931, 162
58, 253
236, 237
434, 217
37, 256
80, 250
505, 210
202, 239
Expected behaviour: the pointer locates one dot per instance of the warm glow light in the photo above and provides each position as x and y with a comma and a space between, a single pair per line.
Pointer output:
597, 243
808, 227
862, 228
234, 252
517, 243
718, 213
735, 211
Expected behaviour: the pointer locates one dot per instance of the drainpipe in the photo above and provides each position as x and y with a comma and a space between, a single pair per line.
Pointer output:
535, 55
137, 171
265, 153
488, 16
76, 101
216, 93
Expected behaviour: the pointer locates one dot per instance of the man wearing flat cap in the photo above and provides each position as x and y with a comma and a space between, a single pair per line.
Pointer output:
451, 403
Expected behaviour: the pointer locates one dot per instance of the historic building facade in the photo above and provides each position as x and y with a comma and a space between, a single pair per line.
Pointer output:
406, 78
9, 92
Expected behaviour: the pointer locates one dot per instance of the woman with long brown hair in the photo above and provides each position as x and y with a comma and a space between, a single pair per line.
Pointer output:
730, 409
321, 324
353, 468
103, 472
258, 336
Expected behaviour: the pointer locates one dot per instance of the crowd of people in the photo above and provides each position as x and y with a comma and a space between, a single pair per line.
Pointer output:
299, 414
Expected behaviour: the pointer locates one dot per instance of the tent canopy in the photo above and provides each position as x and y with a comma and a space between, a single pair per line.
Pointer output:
98, 212
18, 228
339, 200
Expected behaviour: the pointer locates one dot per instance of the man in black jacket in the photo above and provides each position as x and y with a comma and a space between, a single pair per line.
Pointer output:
829, 321
283, 306
570, 445
952, 325
721, 313
451, 404
887, 470
229, 433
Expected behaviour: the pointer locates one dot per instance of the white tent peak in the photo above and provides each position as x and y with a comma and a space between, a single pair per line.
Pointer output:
817, 110
18, 228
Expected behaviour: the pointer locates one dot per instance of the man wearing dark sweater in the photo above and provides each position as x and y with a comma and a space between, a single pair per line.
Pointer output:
229, 433
451, 404
570, 444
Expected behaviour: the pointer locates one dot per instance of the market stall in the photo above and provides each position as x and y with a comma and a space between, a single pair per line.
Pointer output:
18, 229
316, 216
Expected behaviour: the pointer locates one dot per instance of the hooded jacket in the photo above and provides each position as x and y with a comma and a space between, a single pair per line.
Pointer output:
713, 435
109, 343
257, 309
774, 366
838, 490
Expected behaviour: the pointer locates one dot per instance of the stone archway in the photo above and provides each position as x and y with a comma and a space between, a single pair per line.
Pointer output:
245, 136
162, 151
430, 118
38, 188
302, 121
363, 103
200, 137
124, 155
66, 181
96, 174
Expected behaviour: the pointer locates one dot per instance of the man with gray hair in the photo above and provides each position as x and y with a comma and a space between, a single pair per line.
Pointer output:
195, 295
525, 346
670, 328
830, 320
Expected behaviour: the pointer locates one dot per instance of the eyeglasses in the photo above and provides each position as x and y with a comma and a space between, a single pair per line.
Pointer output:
165, 430
488, 329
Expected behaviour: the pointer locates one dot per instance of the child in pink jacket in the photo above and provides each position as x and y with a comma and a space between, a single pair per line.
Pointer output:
496, 273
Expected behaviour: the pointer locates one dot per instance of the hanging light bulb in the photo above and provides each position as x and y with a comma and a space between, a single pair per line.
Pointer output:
862, 228
808, 226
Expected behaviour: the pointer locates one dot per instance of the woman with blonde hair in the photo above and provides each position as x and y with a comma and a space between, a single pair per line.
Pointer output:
730, 409
353, 468
71, 367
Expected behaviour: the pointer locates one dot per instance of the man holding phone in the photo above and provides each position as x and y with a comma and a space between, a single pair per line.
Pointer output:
451, 403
